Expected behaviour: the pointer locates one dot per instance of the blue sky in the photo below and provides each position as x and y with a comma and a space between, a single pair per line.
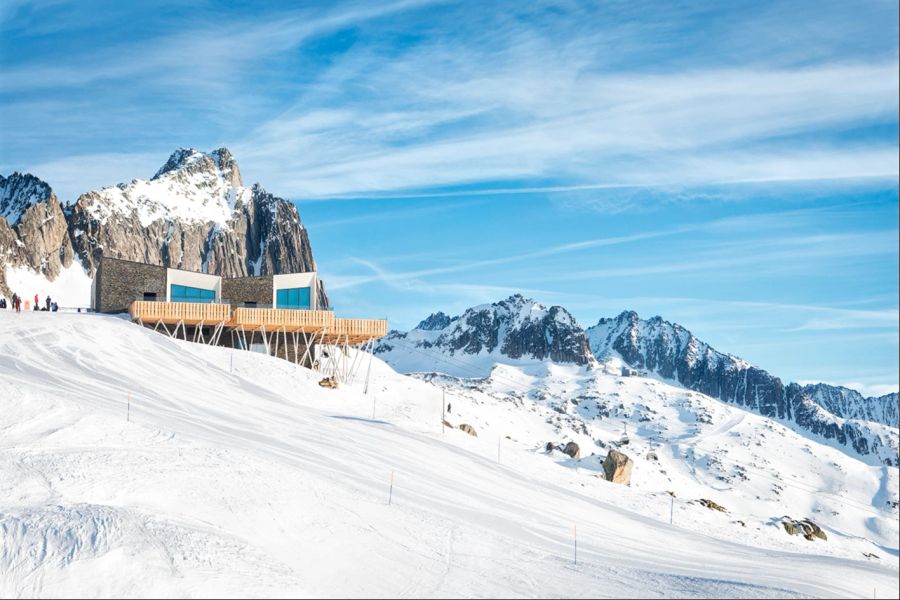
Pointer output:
729, 166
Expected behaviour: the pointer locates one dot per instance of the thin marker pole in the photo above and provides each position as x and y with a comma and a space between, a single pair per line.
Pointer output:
671, 510
443, 410
373, 407
128, 414
499, 439
575, 541
391, 490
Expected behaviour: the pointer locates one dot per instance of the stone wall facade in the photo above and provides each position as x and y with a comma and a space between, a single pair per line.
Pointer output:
118, 283
240, 291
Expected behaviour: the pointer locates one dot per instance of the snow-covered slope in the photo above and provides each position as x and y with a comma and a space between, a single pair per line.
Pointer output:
231, 473
515, 329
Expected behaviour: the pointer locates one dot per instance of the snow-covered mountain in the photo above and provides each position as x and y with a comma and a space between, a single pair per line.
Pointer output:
669, 351
515, 329
519, 331
195, 213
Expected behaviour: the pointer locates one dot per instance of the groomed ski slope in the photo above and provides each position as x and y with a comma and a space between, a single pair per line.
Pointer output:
237, 475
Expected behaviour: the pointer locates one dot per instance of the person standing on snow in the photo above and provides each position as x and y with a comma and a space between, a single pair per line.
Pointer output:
48, 303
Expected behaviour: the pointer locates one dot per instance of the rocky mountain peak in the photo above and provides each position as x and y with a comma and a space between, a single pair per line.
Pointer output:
191, 162
20, 191
516, 328
434, 322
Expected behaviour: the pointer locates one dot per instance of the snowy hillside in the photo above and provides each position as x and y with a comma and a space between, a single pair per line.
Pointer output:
233, 473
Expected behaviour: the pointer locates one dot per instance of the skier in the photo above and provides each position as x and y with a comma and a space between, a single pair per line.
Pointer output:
17, 302
54, 307
37, 302
2, 302
448, 408
48, 303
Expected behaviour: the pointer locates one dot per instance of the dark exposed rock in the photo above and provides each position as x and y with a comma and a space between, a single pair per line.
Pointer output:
711, 505
434, 322
804, 527
465, 427
572, 450
617, 467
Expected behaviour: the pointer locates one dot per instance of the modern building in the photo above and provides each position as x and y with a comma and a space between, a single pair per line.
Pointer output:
280, 314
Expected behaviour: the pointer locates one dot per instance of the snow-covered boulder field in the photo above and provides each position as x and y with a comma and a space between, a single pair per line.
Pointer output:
136, 465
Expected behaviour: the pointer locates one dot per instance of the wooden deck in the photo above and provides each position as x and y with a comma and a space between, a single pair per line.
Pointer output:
190, 313
321, 323
275, 319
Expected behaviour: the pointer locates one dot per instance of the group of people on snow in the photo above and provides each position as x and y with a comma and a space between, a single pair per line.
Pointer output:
17, 301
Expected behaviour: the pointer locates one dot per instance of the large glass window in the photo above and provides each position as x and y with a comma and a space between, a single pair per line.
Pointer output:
184, 293
292, 298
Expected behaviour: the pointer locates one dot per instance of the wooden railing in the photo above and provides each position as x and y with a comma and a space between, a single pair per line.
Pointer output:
173, 312
359, 328
274, 318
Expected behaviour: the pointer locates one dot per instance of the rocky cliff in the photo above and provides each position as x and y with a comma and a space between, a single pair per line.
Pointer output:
672, 352
195, 213
33, 228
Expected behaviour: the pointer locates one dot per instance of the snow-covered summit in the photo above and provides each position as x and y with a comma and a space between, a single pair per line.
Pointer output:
192, 186
513, 329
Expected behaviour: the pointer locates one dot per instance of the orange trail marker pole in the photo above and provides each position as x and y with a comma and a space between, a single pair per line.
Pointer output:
575, 541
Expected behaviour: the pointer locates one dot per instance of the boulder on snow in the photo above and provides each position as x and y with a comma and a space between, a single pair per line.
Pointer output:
652, 455
804, 527
572, 449
329, 382
617, 467
711, 505
468, 429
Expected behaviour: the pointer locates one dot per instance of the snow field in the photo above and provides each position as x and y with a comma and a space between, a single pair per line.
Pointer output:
259, 482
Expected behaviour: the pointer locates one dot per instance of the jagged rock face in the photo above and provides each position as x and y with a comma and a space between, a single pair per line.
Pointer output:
434, 322
33, 228
850, 404
515, 328
672, 352
194, 214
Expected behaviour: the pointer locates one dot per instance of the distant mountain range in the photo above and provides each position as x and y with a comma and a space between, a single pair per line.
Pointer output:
519, 330
195, 213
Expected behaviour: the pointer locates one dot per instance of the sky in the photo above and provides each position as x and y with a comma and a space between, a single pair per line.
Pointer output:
732, 167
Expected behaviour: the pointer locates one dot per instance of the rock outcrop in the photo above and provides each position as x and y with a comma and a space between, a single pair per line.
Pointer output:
466, 428
617, 467
804, 527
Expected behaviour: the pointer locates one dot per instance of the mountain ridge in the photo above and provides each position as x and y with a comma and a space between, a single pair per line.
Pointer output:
654, 346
